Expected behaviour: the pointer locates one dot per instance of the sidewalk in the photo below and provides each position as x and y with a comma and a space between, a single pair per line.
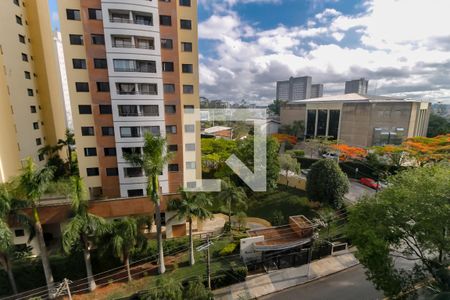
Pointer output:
264, 284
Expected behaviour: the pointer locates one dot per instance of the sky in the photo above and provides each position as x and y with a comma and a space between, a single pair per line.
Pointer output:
401, 46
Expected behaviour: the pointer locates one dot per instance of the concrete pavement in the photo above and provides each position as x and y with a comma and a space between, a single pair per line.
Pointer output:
260, 285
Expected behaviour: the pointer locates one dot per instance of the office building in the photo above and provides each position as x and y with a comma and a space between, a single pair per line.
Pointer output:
31, 109
132, 68
360, 120
296, 88
359, 86
316, 90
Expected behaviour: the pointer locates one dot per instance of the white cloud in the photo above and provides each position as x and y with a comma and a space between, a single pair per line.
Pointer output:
55, 16
401, 46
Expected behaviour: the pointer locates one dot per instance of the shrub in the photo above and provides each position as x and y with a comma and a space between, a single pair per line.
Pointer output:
227, 277
228, 249
196, 290
277, 218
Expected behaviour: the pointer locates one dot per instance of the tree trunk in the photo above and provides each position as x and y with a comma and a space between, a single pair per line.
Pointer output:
191, 244
127, 265
162, 266
87, 262
229, 213
6, 263
287, 179
44, 254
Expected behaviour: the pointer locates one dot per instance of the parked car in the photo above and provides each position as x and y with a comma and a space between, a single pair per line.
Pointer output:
370, 183
304, 171
330, 155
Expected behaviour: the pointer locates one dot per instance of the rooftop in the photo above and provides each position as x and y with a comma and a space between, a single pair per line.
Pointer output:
216, 129
354, 97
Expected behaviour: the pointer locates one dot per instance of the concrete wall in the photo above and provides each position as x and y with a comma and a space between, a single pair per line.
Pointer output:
291, 113
294, 181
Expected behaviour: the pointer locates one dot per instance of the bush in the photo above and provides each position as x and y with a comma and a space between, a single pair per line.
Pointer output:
227, 277
327, 183
296, 153
277, 218
228, 249
196, 290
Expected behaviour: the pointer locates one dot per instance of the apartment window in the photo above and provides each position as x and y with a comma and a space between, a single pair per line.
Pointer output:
95, 14
171, 129
169, 88
33, 109
153, 130
190, 147
35, 125
135, 193
108, 131
185, 24
87, 131
167, 66
98, 39
38, 141
73, 14
76, 39
170, 109
100, 63
143, 19
122, 42
172, 148
22, 39
90, 151
27, 75
79, 63
84, 109
133, 172
166, 43
187, 68
188, 89
185, 2
24, 57
19, 232
165, 20
92, 171
189, 128
189, 109
173, 167
30, 92
131, 150
138, 110
105, 109
148, 88
186, 46
110, 151
18, 20
41, 157
103, 86
129, 132
126, 88
16, 2
191, 184
190, 165
81, 86
129, 65
112, 172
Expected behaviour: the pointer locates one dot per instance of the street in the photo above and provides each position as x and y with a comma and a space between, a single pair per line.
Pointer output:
350, 284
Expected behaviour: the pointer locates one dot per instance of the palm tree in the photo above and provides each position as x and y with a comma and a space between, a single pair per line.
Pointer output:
124, 240
31, 185
191, 205
152, 160
69, 142
232, 197
82, 227
6, 237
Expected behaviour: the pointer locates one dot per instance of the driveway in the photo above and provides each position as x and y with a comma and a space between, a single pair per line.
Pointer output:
356, 191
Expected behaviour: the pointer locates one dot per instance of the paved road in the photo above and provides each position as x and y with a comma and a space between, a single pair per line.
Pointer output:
350, 284
356, 191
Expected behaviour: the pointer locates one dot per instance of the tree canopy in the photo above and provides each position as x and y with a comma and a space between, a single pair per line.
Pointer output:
406, 222
438, 125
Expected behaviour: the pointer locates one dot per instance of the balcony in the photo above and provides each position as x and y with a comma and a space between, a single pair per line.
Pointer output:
128, 65
137, 89
131, 17
133, 42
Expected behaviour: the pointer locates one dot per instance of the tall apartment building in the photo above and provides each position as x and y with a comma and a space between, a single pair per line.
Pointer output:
316, 90
31, 109
132, 67
296, 88
359, 86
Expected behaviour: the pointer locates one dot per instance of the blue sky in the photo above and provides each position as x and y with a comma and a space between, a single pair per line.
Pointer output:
401, 46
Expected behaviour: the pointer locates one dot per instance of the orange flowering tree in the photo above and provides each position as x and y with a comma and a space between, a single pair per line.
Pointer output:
347, 152
282, 137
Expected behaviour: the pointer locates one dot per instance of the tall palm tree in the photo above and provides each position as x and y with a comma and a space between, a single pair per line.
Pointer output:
6, 237
31, 185
82, 227
232, 197
152, 160
190, 206
69, 142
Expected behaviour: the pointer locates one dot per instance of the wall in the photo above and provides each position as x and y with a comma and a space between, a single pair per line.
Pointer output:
293, 112
294, 181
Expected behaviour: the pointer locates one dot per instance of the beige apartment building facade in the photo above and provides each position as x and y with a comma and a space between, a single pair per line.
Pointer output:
360, 120
132, 67
31, 109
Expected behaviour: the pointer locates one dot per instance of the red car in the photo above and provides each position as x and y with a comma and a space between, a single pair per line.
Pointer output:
370, 183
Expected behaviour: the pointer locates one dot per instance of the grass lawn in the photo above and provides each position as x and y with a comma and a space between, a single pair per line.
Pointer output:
286, 200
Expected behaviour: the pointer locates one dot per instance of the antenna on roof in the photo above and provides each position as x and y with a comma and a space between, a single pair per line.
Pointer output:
376, 86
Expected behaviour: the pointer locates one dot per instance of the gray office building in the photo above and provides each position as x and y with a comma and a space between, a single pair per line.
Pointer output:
359, 86
296, 88
316, 90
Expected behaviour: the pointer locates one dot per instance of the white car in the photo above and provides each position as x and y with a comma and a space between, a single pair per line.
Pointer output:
331, 155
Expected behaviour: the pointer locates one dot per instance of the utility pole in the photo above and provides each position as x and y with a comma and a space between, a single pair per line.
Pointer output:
63, 287
205, 247
66, 283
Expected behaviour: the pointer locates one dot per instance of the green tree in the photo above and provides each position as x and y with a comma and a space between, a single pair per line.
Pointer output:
31, 186
69, 143
166, 288
83, 227
288, 164
297, 128
275, 106
152, 160
327, 183
53, 159
438, 125
410, 220
232, 197
190, 206
196, 290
